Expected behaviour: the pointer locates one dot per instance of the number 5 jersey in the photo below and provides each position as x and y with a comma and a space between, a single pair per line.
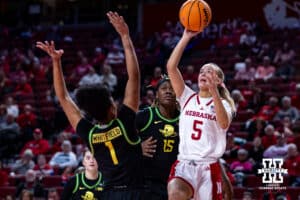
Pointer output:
201, 137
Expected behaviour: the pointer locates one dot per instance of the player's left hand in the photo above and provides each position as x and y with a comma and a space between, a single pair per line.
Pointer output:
118, 22
49, 48
212, 81
149, 147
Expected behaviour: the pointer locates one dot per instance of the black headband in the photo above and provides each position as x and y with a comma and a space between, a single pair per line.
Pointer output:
162, 80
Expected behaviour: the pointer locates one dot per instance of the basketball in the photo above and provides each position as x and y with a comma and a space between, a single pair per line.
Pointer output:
195, 15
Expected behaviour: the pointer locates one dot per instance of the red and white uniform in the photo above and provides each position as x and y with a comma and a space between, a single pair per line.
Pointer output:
202, 143
201, 137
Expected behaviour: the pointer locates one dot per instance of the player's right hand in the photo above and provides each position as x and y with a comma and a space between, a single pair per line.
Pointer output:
118, 23
189, 34
149, 147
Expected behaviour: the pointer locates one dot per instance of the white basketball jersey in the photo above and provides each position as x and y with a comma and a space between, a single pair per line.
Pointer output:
201, 137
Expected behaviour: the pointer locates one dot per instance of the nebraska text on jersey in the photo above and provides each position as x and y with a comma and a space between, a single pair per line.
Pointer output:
200, 115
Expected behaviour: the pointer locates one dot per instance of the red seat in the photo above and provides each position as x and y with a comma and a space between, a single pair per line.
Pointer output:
297, 139
266, 87
293, 192
48, 112
274, 80
238, 192
258, 193
259, 81
286, 180
15, 180
243, 116
252, 181
45, 103
42, 87
48, 157
236, 82
6, 169
283, 87
59, 190
7, 190
236, 126
52, 181
248, 146
41, 80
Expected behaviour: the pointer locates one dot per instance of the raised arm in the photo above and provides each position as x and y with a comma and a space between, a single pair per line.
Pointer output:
132, 90
173, 62
70, 108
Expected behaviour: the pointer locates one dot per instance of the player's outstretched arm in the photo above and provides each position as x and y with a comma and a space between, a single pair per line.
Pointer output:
70, 108
173, 62
132, 90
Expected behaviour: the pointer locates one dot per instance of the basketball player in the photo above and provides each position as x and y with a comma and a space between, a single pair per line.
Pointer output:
111, 134
158, 128
85, 185
204, 120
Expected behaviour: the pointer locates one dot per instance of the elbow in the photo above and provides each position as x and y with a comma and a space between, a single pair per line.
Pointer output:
135, 78
169, 65
224, 121
63, 98
134, 74
224, 125
170, 68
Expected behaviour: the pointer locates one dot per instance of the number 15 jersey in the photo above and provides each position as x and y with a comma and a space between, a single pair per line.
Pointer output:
201, 137
151, 123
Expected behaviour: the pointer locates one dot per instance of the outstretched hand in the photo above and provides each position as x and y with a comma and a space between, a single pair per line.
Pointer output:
118, 22
49, 48
190, 34
148, 147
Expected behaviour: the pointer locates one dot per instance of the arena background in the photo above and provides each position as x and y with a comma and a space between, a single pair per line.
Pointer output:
80, 27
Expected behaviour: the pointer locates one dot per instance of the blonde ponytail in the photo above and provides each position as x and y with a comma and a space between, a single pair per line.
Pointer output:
224, 93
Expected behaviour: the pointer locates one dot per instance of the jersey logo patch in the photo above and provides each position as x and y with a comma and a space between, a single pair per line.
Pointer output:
88, 196
212, 108
168, 131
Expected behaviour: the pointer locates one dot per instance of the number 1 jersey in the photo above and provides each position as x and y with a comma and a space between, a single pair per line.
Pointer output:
117, 149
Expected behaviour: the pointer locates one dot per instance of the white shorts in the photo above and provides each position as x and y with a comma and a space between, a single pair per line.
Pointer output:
205, 179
